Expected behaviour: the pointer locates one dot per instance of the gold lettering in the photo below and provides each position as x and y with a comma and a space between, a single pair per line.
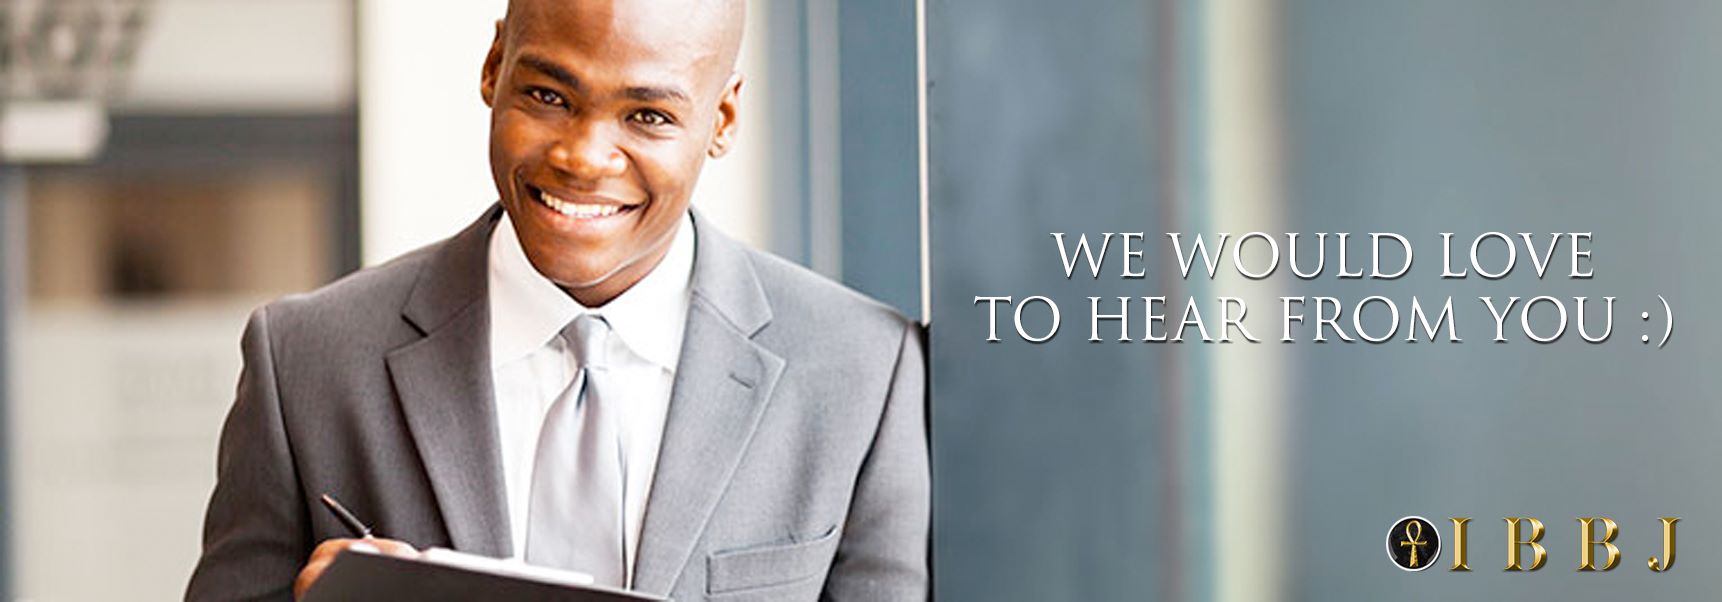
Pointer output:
1587, 539
1667, 561
1461, 553
1514, 542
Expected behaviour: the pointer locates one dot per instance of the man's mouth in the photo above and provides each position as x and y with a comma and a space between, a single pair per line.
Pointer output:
580, 208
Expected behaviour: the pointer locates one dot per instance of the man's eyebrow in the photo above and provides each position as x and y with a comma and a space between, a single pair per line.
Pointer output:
553, 71
656, 94
636, 93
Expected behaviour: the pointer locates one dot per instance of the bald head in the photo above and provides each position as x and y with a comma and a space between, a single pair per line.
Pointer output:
715, 26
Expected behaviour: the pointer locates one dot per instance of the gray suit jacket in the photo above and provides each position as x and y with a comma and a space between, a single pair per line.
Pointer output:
794, 463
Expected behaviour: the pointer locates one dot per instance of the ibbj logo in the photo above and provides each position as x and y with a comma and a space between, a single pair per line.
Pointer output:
1414, 544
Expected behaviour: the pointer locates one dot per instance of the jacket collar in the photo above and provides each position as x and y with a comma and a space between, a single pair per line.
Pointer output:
456, 277
722, 386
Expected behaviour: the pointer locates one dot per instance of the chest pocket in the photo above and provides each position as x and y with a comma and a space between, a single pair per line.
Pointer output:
771, 565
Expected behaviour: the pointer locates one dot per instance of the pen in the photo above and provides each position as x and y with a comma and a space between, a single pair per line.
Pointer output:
358, 528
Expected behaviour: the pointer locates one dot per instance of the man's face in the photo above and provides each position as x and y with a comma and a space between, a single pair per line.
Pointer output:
602, 114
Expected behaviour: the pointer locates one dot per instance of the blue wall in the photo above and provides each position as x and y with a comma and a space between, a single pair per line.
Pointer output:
1049, 459
1529, 116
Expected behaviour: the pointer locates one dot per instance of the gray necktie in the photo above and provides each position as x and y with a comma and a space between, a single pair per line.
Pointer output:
574, 520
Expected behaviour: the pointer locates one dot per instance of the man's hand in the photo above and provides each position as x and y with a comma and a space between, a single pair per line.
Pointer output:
326, 552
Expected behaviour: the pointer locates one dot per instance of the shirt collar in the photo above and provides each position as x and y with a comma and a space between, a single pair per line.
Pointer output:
527, 310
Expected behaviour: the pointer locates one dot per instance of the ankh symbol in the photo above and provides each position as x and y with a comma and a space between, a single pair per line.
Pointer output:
1413, 539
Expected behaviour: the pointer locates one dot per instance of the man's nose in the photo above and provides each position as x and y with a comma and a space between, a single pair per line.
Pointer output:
588, 152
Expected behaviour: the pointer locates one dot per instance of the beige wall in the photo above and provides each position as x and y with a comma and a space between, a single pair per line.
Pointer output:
251, 56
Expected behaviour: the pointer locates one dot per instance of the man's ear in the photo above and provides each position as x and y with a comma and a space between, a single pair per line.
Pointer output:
728, 105
492, 68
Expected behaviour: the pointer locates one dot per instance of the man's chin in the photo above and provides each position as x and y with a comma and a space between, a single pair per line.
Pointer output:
584, 282
572, 274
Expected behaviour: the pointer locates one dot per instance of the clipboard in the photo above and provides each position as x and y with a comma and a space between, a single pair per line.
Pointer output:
368, 576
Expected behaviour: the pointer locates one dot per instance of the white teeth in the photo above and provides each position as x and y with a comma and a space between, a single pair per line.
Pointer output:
578, 210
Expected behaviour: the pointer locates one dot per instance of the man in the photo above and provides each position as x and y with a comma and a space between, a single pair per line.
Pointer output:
590, 376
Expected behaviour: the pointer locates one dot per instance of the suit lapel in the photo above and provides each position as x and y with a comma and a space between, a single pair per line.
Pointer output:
444, 384
723, 382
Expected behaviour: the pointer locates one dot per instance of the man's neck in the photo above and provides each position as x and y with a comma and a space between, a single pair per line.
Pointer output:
607, 290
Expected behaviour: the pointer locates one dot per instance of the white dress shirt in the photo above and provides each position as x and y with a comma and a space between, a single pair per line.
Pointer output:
531, 366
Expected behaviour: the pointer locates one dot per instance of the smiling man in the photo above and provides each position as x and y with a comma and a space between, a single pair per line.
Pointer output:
590, 376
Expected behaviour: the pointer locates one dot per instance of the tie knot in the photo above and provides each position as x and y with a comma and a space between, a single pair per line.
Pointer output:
586, 336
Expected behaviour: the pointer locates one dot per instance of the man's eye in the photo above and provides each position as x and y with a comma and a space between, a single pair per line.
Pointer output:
546, 97
650, 118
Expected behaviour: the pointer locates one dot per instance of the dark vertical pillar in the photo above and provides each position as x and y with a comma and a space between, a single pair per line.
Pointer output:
1050, 469
12, 282
880, 187
346, 212
845, 196
787, 46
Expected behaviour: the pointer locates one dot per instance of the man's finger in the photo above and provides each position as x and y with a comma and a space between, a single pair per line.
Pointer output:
326, 552
322, 556
330, 547
310, 573
392, 547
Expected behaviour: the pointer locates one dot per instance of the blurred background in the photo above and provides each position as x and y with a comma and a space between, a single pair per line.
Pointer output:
167, 165
1072, 470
